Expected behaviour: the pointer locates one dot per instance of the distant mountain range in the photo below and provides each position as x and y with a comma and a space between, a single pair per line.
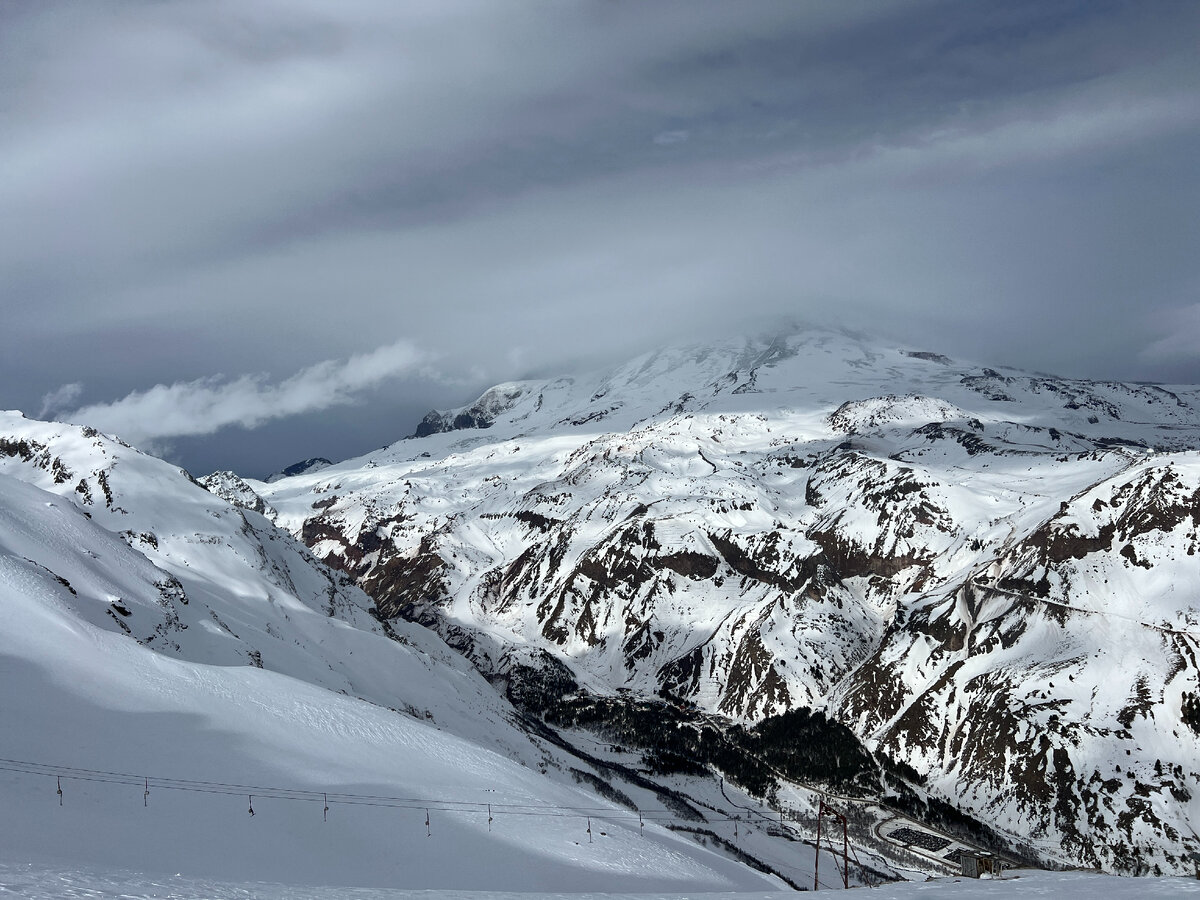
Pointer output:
988, 575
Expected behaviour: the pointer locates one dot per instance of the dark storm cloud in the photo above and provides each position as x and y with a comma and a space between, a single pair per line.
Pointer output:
195, 188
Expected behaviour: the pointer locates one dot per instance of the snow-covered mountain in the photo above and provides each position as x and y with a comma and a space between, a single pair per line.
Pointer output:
989, 575
172, 661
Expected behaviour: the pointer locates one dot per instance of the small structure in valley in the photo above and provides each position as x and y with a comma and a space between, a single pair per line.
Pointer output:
976, 864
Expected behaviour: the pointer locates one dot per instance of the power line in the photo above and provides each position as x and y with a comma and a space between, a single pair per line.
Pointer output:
326, 798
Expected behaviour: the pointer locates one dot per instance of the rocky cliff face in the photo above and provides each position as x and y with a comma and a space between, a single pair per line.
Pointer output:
234, 490
1050, 685
990, 575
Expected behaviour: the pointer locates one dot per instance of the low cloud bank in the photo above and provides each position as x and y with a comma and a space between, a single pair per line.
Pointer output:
206, 405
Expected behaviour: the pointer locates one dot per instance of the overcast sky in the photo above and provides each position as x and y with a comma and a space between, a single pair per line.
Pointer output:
242, 232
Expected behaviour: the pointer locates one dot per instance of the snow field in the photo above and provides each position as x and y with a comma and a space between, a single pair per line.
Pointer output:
39, 882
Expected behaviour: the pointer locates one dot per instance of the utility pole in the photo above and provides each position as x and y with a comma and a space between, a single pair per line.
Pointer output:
826, 810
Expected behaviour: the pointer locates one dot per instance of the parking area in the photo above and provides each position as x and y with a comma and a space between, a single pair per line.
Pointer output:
926, 842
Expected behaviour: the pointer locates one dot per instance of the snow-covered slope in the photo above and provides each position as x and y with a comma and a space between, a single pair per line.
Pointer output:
172, 661
921, 547
45, 883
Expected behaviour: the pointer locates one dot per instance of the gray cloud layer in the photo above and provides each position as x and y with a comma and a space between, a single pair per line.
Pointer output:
206, 405
202, 187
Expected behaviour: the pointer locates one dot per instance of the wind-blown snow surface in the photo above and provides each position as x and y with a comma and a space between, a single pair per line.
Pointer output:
988, 574
41, 883
147, 627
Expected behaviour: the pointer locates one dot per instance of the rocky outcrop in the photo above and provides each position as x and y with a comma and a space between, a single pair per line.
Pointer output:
235, 490
479, 414
315, 464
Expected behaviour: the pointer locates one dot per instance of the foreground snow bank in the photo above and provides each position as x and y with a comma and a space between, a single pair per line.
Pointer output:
41, 883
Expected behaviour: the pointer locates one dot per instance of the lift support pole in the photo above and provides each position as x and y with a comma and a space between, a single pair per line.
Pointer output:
823, 811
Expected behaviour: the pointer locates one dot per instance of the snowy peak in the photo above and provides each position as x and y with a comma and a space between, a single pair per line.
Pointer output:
480, 414
236, 492
862, 387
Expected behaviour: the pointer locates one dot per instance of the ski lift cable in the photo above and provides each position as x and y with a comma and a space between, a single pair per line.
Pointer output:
280, 793
326, 799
